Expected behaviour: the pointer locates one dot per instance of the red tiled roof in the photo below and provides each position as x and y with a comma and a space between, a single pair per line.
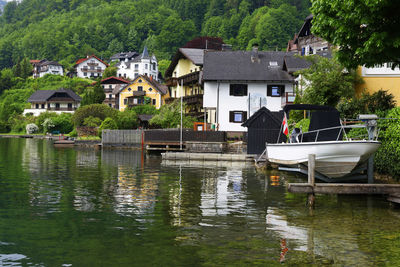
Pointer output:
113, 77
79, 61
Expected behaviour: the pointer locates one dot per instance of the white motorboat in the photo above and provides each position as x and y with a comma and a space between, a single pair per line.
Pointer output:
332, 158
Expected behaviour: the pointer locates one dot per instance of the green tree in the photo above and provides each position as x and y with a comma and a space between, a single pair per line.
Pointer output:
163, 66
127, 119
365, 32
100, 111
327, 81
110, 72
94, 95
108, 123
170, 116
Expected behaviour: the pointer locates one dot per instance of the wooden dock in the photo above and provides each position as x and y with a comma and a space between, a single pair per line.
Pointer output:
322, 188
205, 156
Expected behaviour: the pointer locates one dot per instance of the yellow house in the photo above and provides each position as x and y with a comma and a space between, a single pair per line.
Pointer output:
380, 77
143, 90
184, 74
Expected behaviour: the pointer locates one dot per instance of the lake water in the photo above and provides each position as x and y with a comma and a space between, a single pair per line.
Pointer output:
87, 207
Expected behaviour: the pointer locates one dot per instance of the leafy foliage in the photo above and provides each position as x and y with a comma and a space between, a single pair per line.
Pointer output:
68, 30
95, 110
387, 157
170, 117
127, 119
31, 128
379, 103
63, 123
108, 123
145, 109
327, 81
364, 31
94, 95
92, 121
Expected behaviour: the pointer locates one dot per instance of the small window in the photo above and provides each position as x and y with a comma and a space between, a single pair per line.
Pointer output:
37, 105
275, 90
145, 66
154, 102
136, 66
129, 89
85, 74
110, 86
110, 96
43, 106
238, 89
237, 116
140, 80
125, 101
140, 88
150, 89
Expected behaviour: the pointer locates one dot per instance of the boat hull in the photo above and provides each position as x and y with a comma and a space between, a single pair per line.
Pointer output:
332, 158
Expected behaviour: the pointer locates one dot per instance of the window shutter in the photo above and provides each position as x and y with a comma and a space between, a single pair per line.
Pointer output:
244, 117
231, 116
245, 90
231, 89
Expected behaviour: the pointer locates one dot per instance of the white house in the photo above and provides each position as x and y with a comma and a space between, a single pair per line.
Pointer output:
140, 65
59, 101
43, 67
238, 83
90, 67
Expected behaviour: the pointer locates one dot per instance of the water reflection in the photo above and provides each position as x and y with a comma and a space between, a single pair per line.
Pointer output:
117, 207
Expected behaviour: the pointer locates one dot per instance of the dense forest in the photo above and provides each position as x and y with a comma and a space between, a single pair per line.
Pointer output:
65, 30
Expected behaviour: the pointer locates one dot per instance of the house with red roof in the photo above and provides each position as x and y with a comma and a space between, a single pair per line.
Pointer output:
90, 67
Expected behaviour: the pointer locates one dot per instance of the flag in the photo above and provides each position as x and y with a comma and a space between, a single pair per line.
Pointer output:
285, 129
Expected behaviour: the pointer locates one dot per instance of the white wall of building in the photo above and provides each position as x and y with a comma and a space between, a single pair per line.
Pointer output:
223, 102
143, 67
383, 70
52, 69
96, 70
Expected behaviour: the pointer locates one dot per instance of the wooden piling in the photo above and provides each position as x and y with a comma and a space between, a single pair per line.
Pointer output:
311, 179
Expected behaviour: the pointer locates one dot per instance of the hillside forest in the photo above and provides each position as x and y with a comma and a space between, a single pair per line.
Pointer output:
65, 30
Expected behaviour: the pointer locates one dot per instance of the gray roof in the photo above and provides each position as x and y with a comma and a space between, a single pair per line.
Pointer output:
193, 54
47, 62
44, 95
145, 53
145, 117
293, 63
238, 65
123, 55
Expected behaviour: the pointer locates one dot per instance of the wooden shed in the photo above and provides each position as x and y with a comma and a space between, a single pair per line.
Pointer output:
263, 126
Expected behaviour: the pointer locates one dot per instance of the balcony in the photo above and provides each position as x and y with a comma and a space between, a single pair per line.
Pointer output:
92, 64
193, 99
287, 99
173, 81
190, 78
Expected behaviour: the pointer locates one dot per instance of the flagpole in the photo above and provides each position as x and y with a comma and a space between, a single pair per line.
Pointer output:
279, 134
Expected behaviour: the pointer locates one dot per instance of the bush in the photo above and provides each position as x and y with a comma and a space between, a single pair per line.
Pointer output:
388, 155
73, 133
48, 125
42, 117
378, 103
108, 123
145, 109
31, 128
63, 123
100, 111
127, 120
4, 127
92, 121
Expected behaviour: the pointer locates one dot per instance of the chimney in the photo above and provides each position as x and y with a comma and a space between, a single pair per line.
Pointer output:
254, 54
